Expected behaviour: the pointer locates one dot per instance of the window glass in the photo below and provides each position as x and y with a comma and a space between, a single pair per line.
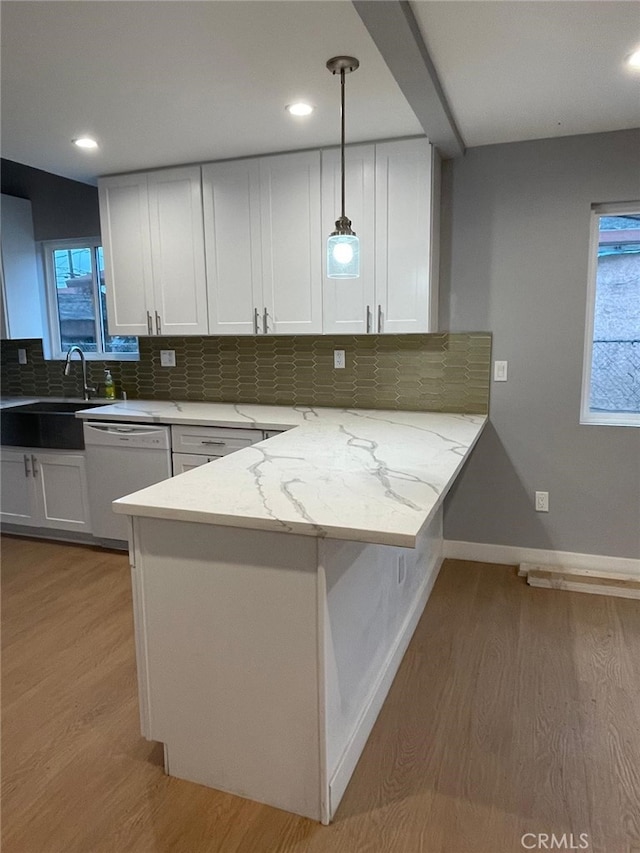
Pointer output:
75, 299
76, 277
615, 355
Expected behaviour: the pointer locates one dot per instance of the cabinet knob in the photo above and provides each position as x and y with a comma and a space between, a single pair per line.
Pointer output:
33, 465
265, 321
26, 465
158, 324
379, 319
256, 321
149, 324
368, 319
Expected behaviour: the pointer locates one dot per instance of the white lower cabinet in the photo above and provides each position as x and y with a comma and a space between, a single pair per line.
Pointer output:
44, 489
17, 504
196, 445
182, 462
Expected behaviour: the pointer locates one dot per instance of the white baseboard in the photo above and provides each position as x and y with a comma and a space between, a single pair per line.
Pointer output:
380, 689
621, 568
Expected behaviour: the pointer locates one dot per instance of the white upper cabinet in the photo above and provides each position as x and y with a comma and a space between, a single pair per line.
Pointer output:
21, 296
231, 198
291, 243
177, 252
238, 247
153, 241
263, 245
403, 237
349, 304
126, 242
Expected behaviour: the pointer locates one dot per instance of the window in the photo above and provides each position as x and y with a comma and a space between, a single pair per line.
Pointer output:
611, 371
76, 293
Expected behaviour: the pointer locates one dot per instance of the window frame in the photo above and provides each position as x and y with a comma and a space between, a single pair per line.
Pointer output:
55, 350
588, 417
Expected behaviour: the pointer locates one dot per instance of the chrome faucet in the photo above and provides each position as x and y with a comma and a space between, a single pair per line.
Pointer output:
87, 390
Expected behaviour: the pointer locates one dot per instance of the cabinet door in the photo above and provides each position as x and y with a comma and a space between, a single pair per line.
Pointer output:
231, 199
17, 499
124, 222
349, 303
61, 487
188, 461
403, 236
291, 242
177, 252
22, 294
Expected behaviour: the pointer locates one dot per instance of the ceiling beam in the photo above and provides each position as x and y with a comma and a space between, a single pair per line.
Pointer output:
395, 31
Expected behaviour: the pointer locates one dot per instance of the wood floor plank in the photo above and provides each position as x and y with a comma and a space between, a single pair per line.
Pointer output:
514, 710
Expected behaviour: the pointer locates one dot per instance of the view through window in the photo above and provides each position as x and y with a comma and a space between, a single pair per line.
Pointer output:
80, 308
614, 387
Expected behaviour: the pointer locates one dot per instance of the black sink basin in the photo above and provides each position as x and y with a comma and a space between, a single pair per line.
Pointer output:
44, 424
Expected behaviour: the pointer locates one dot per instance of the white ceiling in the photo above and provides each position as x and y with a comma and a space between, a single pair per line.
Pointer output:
161, 83
531, 69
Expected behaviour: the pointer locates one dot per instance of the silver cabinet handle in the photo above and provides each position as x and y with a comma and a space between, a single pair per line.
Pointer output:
149, 324
256, 321
212, 441
368, 319
158, 325
26, 465
265, 321
379, 319
33, 465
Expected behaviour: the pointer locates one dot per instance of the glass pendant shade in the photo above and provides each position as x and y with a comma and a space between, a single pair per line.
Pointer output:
343, 256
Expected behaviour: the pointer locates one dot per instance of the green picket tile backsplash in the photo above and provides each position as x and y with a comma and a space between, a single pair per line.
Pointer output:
438, 372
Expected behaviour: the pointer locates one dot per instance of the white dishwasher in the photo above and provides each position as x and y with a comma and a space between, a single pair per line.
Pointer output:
121, 459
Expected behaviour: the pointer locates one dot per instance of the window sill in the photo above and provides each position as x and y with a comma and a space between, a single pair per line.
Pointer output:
97, 356
628, 419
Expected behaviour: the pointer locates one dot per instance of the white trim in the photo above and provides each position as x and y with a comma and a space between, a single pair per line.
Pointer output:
513, 555
588, 417
380, 689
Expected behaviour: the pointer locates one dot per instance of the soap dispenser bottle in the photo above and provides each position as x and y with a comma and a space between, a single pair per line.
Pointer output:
109, 386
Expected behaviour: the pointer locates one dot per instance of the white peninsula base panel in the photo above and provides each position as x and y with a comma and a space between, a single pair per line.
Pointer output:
264, 658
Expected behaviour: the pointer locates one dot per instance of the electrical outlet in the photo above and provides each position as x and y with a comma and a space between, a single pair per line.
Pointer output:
167, 358
500, 371
22, 356
339, 360
542, 501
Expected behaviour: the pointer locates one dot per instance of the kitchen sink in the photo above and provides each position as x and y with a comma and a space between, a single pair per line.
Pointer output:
44, 424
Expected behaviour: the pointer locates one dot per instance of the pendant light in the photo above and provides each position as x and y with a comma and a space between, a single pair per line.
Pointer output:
343, 245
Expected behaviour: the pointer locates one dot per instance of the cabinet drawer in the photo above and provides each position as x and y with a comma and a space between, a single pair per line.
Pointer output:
212, 441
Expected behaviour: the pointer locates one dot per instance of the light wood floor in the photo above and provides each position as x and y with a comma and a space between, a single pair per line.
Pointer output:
515, 710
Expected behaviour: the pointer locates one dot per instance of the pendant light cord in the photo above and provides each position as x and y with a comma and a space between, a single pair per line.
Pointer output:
342, 133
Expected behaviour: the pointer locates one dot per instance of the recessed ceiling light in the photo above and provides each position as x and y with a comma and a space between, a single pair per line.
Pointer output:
299, 109
85, 142
633, 61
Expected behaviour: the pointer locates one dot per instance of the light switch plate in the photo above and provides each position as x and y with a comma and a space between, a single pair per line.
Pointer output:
339, 360
500, 371
22, 356
167, 358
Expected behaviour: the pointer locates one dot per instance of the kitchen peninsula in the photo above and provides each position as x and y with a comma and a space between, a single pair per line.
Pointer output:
277, 588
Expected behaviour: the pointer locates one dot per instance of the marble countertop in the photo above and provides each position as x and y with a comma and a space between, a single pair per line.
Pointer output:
355, 474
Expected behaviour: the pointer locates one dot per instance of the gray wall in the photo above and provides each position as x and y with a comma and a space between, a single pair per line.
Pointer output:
61, 208
515, 251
